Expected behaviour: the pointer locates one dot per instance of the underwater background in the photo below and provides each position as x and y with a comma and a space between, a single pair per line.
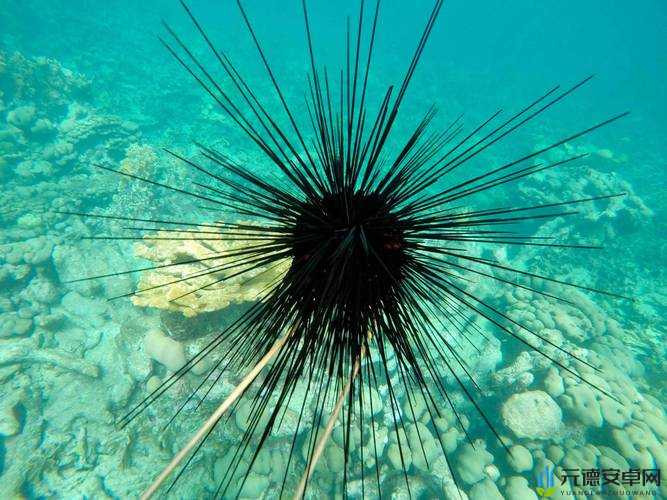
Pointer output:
87, 82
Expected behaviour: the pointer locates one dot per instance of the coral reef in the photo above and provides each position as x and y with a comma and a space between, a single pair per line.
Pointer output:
596, 431
72, 363
50, 128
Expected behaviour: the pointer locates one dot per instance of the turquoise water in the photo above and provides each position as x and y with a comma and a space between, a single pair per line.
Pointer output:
87, 82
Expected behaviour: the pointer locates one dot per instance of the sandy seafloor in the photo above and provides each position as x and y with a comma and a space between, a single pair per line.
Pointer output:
85, 83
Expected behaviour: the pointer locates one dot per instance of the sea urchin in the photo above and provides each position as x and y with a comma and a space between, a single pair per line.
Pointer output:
375, 292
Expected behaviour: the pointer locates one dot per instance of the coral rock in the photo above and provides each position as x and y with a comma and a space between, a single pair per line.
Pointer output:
485, 490
532, 415
21, 117
471, 462
553, 383
520, 458
517, 489
584, 403
188, 296
164, 350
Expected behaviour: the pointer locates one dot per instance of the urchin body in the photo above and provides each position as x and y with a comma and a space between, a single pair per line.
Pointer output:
349, 253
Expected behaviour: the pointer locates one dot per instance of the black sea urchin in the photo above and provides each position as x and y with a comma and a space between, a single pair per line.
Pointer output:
375, 291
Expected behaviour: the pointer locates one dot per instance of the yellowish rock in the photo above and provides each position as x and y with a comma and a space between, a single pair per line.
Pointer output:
209, 285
